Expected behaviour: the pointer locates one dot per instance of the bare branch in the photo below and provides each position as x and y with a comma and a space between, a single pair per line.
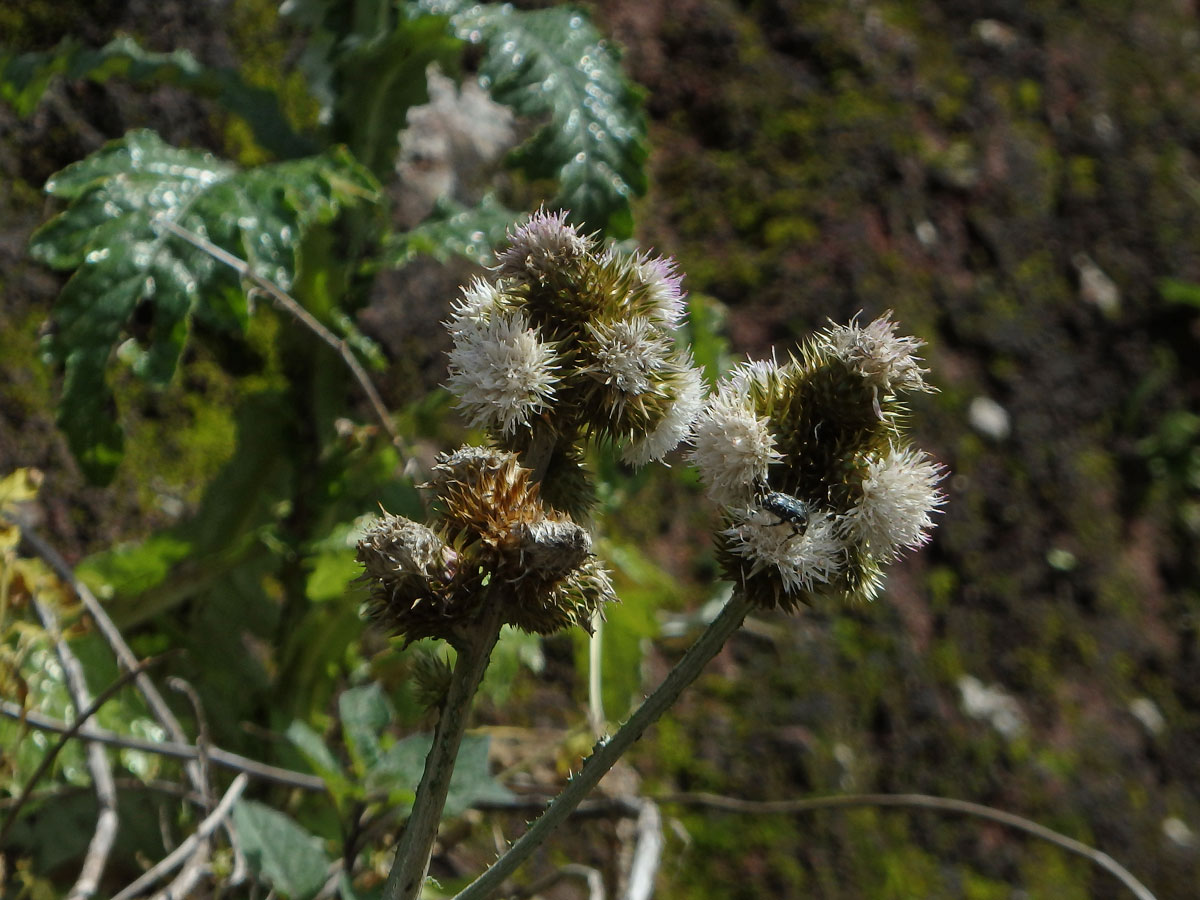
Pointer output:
107, 822
194, 843
173, 749
922, 801
125, 657
289, 305
202, 741
69, 732
647, 853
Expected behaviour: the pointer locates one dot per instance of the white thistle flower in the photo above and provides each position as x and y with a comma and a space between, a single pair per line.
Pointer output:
502, 372
899, 497
733, 446
878, 354
629, 353
802, 560
480, 302
543, 244
687, 397
664, 284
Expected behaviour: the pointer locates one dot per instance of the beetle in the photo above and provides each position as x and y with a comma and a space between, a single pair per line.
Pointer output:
787, 509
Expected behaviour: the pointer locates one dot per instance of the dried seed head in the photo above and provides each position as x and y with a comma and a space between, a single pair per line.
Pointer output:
404, 565
496, 544
551, 548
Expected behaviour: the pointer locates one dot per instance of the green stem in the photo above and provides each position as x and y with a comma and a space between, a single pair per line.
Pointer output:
420, 831
608, 752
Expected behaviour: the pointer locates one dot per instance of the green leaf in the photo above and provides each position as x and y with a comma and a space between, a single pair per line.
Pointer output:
642, 586
25, 77
286, 857
399, 772
312, 746
552, 65
453, 230
365, 713
113, 234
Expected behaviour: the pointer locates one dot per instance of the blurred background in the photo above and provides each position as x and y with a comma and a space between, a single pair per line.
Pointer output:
1019, 183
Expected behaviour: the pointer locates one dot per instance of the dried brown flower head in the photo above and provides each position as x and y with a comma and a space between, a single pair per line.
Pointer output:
495, 542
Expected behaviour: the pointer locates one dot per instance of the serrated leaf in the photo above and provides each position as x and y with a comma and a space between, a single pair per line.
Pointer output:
365, 713
284, 855
113, 234
552, 64
25, 77
453, 230
399, 772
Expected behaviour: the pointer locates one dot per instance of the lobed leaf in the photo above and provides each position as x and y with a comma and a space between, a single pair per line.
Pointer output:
552, 65
112, 233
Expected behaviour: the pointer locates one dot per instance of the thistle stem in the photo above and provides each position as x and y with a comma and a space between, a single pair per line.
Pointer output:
420, 831
608, 752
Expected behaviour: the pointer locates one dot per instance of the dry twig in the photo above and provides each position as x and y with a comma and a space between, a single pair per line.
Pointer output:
100, 846
923, 801
173, 749
193, 845
289, 305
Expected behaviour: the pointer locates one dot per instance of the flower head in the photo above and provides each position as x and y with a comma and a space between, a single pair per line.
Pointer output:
574, 342
801, 559
733, 443
494, 543
501, 370
685, 396
664, 287
802, 456
899, 494
541, 246
877, 353
627, 354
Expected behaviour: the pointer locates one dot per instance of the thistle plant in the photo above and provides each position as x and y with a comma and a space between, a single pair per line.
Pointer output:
570, 342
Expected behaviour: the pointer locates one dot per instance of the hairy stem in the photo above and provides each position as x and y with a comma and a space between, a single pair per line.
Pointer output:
416, 844
608, 752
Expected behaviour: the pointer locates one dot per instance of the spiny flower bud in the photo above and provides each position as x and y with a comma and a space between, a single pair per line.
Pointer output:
803, 455
876, 352
495, 543
541, 246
